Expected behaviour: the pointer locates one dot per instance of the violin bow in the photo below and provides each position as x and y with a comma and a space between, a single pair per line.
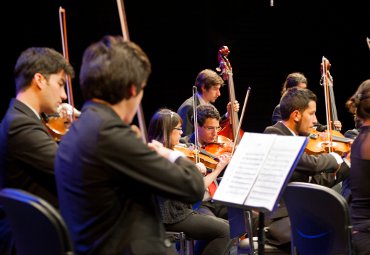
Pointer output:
195, 119
63, 31
125, 34
241, 117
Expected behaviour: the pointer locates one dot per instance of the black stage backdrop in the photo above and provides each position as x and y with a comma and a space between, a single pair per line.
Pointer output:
183, 37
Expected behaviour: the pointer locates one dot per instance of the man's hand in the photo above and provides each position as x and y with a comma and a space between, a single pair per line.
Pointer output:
235, 108
66, 111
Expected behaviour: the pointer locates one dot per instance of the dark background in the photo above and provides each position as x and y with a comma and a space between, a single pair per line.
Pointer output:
183, 37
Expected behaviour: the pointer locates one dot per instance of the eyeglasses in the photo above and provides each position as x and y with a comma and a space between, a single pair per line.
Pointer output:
212, 128
178, 128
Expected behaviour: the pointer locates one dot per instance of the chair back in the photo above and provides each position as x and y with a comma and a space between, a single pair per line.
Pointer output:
37, 227
320, 219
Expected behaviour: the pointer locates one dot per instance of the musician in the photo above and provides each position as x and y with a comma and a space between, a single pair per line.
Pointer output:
208, 119
298, 79
27, 149
359, 104
165, 127
298, 108
208, 84
106, 176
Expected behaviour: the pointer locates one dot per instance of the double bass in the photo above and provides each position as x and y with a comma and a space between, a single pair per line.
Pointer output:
330, 140
231, 129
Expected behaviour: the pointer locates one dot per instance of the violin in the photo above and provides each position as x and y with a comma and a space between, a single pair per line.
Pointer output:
207, 159
331, 140
319, 143
220, 146
56, 124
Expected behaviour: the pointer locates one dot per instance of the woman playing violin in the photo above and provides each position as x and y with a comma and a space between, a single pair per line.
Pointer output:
165, 127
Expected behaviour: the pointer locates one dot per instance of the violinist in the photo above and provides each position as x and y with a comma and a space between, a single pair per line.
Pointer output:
105, 172
27, 149
297, 79
208, 119
208, 84
165, 127
298, 108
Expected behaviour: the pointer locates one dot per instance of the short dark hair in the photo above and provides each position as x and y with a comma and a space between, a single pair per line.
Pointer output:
295, 99
109, 68
206, 111
45, 61
292, 80
208, 78
161, 125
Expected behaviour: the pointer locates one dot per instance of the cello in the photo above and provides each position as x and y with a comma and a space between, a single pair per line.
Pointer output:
231, 129
58, 125
330, 140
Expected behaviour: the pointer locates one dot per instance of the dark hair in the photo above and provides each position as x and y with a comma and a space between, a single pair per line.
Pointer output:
292, 80
359, 103
208, 78
295, 99
42, 60
109, 68
161, 126
206, 111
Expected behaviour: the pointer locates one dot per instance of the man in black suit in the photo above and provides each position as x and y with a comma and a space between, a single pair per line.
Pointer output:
208, 84
27, 149
107, 178
298, 108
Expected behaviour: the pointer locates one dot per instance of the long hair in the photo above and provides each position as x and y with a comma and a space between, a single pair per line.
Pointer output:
359, 103
162, 124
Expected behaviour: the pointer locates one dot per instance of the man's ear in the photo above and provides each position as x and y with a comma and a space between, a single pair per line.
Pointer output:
202, 89
133, 91
296, 115
39, 80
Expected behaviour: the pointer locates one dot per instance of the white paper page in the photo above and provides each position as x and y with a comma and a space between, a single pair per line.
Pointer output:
274, 171
242, 171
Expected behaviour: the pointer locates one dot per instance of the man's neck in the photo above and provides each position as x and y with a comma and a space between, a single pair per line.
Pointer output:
202, 100
291, 126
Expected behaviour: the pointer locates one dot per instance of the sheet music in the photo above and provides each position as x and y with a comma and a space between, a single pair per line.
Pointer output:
258, 169
274, 171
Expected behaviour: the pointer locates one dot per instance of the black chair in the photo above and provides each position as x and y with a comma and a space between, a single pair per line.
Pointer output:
37, 227
241, 231
182, 244
320, 220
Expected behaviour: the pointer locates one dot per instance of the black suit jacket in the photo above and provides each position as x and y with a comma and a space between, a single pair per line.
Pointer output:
107, 179
186, 111
310, 168
27, 152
